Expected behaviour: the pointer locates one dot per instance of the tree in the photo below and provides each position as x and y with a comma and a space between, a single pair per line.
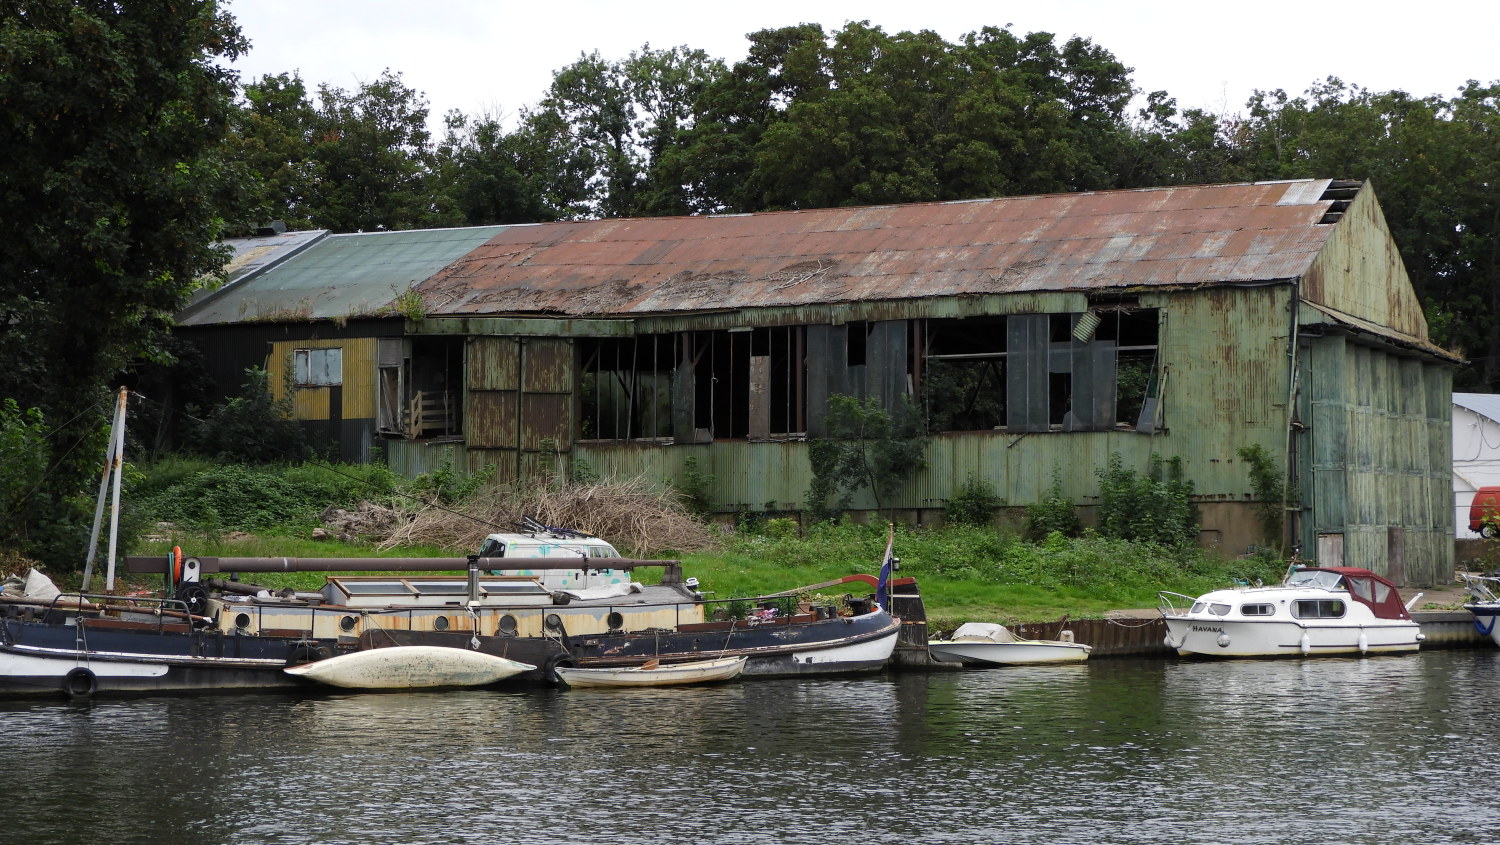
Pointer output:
486, 173
878, 118
110, 205
614, 124
271, 138
866, 447
372, 159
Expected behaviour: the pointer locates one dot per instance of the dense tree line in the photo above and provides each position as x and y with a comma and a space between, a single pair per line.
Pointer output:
131, 151
859, 116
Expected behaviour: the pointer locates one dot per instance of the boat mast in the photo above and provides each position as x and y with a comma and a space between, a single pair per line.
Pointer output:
114, 460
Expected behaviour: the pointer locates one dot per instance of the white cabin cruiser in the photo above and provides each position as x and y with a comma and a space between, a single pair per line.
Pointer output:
1483, 604
1316, 611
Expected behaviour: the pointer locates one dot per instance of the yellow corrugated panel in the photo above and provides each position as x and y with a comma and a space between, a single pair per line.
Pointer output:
312, 403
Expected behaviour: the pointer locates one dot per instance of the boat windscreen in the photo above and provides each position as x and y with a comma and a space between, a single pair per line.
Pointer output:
1314, 578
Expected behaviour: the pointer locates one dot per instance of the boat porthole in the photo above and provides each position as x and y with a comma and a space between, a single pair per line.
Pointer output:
508, 625
614, 620
440, 623
554, 621
80, 683
347, 623
242, 621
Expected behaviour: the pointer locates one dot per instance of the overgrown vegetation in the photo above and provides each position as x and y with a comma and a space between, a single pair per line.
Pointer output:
1156, 507
1268, 486
252, 428
1054, 514
973, 504
866, 447
965, 571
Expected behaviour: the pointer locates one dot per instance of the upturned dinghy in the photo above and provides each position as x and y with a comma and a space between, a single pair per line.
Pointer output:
654, 674
410, 667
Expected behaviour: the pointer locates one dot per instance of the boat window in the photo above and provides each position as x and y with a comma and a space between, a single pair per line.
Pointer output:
1219, 609
443, 588
1318, 609
1360, 587
374, 588
1314, 578
1197, 607
1382, 591
1258, 610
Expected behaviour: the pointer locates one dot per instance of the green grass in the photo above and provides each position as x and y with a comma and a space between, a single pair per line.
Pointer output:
965, 573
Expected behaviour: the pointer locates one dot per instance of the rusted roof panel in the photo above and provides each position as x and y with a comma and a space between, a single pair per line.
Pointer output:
1216, 234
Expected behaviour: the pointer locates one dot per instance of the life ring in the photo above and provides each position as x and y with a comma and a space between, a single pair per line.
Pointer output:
549, 670
174, 568
80, 683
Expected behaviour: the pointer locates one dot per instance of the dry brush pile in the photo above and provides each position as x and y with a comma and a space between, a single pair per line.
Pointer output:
634, 515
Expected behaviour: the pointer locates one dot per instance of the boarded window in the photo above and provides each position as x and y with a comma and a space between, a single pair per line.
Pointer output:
318, 367
1080, 372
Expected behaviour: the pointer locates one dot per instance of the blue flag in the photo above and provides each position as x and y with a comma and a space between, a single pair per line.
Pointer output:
883, 585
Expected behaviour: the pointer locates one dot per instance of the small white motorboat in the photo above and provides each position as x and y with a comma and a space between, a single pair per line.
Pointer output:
989, 643
655, 674
1315, 611
410, 667
1483, 604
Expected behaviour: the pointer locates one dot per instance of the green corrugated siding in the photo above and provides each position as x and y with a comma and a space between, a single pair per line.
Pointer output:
1378, 450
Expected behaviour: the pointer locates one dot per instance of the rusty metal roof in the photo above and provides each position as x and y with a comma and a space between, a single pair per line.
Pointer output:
332, 277
1215, 234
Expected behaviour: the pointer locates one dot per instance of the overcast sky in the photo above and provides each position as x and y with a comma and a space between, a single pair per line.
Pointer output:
493, 56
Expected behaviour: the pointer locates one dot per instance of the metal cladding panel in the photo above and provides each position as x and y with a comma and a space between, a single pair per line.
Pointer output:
546, 417
1381, 458
338, 277
493, 363
1360, 272
1220, 234
1227, 353
490, 419
549, 365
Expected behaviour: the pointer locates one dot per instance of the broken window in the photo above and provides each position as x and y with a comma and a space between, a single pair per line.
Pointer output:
626, 387
318, 367
694, 387
1093, 371
417, 382
963, 374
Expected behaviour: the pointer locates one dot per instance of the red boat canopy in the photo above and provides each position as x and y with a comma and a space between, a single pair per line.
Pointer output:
1369, 589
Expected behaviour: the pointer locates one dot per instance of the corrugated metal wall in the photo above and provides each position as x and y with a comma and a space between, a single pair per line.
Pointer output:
519, 406
357, 392
1376, 460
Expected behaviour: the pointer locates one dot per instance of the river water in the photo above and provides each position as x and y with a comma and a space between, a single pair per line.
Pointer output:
1378, 750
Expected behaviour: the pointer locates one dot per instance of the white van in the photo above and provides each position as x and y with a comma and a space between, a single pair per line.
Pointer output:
550, 542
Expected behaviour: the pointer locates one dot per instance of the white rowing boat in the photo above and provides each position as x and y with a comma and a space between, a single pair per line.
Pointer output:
653, 674
410, 667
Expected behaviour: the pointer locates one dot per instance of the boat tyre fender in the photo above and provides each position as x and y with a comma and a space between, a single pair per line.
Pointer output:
549, 671
80, 683
306, 654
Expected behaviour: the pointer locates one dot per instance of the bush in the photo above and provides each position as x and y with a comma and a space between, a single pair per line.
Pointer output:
1155, 508
974, 503
251, 428
235, 497
1054, 514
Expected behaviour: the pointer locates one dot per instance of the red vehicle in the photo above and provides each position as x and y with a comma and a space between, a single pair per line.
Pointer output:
1484, 512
